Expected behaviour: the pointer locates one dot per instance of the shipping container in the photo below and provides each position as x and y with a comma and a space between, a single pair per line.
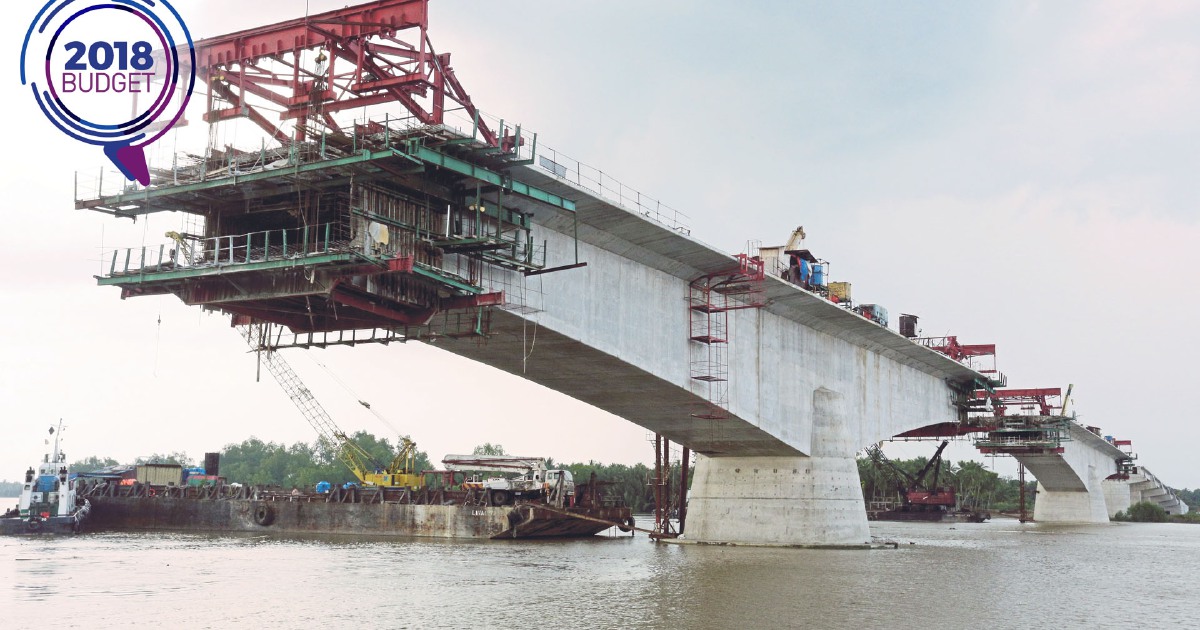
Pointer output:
160, 474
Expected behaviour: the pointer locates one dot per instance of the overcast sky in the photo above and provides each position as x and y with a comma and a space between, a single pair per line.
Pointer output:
1018, 173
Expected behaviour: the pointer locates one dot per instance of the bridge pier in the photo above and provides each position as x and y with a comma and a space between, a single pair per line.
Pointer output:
1070, 506
784, 500
1070, 487
1119, 495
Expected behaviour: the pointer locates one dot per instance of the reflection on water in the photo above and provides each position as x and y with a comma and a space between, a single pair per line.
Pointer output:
997, 575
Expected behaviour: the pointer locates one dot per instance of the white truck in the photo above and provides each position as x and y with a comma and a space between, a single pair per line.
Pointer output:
530, 481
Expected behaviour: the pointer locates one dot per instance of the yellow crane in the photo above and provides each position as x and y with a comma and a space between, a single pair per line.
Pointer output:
399, 473
1067, 399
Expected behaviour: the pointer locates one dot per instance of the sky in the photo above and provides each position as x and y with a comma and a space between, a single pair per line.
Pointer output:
1017, 173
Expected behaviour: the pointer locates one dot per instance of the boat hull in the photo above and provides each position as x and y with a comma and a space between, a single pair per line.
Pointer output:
300, 516
55, 525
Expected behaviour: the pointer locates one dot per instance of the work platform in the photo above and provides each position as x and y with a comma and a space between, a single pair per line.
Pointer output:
376, 230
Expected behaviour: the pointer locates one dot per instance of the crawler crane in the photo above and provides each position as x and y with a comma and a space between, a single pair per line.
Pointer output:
400, 473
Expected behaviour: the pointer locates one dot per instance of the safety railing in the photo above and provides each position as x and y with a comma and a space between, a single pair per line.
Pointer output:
267, 245
597, 181
521, 146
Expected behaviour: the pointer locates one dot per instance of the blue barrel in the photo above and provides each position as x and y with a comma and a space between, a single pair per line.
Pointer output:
323, 487
819, 275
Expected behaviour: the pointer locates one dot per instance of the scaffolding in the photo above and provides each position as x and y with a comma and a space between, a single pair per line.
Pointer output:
670, 496
711, 297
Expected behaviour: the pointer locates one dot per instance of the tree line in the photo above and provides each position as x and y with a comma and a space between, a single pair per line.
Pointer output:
303, 465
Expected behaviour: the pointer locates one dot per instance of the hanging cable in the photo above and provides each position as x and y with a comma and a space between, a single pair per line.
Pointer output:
366, 405
157, 342
526, 353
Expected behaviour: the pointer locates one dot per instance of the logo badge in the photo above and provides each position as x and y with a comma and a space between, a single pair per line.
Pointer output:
113, 73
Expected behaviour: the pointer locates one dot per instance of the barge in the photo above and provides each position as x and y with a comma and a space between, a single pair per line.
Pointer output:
930, 516
369, 512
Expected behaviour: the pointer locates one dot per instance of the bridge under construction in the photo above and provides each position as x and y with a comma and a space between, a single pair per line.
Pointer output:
435, 221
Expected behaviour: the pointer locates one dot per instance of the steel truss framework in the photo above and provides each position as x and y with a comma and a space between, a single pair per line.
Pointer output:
370, 54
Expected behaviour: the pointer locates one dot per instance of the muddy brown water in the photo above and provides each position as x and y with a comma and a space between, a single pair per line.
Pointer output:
999, 574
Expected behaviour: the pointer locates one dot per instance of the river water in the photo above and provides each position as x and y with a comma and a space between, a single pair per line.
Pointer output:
991, 575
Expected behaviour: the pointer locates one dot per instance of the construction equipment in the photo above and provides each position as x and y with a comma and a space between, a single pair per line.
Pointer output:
1066, 399
873, 312
916, 494
400, 473
839, 293
803, 267
978, 357
1040, 399
534, 481
184, 246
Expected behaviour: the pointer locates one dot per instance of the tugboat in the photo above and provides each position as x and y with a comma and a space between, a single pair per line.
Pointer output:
47, 504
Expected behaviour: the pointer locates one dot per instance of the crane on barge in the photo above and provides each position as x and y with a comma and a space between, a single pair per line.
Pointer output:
399, 473
916, 495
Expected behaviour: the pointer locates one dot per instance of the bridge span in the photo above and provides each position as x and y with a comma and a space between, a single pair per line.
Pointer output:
774, 386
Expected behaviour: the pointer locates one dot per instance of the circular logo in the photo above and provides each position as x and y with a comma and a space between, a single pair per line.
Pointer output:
110, 72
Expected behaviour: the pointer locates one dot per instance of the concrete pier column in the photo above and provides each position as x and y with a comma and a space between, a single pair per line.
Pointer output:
1117, 495
1072, 506
802, 501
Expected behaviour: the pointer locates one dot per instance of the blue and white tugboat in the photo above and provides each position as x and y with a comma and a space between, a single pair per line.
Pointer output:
47, 504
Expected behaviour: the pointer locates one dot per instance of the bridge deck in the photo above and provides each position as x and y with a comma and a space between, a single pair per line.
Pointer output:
650, 395
605, 224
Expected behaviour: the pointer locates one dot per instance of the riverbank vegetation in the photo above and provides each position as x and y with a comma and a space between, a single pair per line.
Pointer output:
1143, 512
